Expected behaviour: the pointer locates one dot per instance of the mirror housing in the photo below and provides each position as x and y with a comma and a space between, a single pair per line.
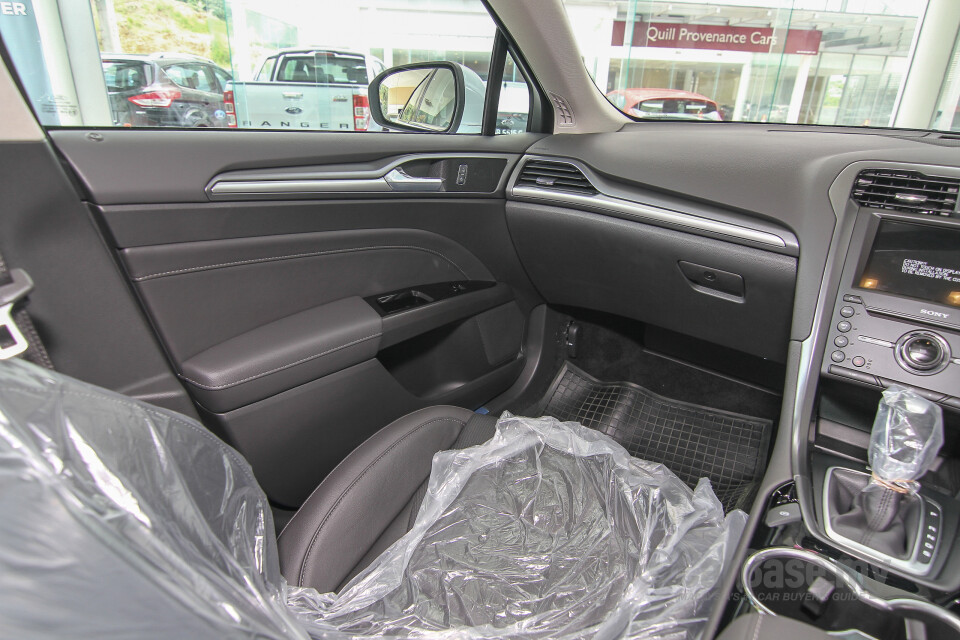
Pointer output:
428, 97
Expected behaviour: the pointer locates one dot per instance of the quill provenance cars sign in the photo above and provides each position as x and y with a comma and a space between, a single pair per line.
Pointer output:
671, 35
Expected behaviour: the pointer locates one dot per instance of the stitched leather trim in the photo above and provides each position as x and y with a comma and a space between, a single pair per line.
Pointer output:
875, 520
280, 368
336, 505
293, 256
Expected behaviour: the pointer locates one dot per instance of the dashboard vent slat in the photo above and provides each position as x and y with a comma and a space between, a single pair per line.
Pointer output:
909, 191
554, 175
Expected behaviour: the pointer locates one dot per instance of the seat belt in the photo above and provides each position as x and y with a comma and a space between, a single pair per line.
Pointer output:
18, 336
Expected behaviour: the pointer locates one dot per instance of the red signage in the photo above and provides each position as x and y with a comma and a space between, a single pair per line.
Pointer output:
669, 35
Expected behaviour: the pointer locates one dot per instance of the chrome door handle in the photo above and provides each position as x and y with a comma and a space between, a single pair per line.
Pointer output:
399, 180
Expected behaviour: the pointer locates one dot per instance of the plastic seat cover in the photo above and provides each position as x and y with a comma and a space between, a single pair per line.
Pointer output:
119, 518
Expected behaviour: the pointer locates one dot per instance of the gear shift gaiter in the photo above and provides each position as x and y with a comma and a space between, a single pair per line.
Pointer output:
883, 511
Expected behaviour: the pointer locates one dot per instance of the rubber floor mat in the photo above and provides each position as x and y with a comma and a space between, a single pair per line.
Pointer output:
692, 441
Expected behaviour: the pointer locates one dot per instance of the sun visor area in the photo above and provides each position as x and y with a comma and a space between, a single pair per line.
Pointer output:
119, 518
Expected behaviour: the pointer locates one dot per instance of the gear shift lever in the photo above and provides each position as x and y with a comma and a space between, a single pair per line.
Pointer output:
883, 511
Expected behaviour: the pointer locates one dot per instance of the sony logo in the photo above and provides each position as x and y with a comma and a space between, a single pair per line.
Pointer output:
935, 314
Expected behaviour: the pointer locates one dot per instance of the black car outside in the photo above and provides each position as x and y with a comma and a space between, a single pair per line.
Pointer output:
165, 90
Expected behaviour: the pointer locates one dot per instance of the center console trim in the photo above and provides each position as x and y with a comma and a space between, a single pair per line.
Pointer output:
849, 580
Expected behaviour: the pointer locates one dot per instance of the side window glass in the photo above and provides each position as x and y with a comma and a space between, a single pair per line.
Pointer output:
266, 71
513, 110
176, 74
192, 76
298, 65
206, 81
222, 78
123, 76
182, 75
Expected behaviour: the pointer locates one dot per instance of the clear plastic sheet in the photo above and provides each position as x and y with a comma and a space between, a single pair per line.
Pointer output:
121, 519
907, 435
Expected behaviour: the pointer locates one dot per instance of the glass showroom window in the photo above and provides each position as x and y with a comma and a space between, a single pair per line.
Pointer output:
293, 65
801, 61
947, 115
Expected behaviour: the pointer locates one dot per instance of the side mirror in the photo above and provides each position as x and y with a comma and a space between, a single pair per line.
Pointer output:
428, 97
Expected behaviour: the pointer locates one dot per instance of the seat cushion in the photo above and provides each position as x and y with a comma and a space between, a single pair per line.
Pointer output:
371, 498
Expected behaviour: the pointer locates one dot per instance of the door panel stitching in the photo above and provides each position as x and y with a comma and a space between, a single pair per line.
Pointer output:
281, 368
293, 256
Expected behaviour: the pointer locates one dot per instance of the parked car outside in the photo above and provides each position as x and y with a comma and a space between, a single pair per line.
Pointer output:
669, 104
165, 90
306, 88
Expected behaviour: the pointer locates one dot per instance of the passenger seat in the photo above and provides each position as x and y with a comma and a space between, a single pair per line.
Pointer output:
371, 499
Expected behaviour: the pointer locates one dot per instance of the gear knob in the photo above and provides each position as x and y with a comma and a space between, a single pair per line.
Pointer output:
906, 438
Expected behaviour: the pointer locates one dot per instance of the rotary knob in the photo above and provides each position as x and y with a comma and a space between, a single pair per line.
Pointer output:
922, 352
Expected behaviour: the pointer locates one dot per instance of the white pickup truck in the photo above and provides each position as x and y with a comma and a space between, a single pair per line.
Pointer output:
305, 88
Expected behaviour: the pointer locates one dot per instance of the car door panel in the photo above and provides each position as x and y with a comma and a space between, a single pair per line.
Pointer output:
269, 308
81, 304
201, 293
164, 166
284, 354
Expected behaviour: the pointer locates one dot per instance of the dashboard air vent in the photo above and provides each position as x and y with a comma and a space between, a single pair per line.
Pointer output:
558, 176
909, 191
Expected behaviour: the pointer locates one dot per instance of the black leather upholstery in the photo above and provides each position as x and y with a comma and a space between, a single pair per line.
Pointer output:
371, 499
283, 354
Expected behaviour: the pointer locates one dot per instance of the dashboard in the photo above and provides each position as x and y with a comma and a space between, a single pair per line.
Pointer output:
860, 229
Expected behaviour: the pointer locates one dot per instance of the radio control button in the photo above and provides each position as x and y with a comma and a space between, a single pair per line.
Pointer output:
843, 326
922, 352
841, 341
858, 361
838, 356
846, 312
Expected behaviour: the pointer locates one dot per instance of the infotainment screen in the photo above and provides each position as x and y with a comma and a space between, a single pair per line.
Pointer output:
915, 260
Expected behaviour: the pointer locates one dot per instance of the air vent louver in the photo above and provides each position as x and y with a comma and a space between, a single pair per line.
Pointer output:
909, 191
559, 176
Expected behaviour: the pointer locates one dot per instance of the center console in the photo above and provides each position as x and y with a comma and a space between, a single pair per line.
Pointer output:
896, 321
829, 552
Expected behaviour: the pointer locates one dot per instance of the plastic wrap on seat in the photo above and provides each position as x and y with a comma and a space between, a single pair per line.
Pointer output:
121, 519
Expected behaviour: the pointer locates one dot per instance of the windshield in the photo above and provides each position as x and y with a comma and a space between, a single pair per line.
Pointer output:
864, 63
